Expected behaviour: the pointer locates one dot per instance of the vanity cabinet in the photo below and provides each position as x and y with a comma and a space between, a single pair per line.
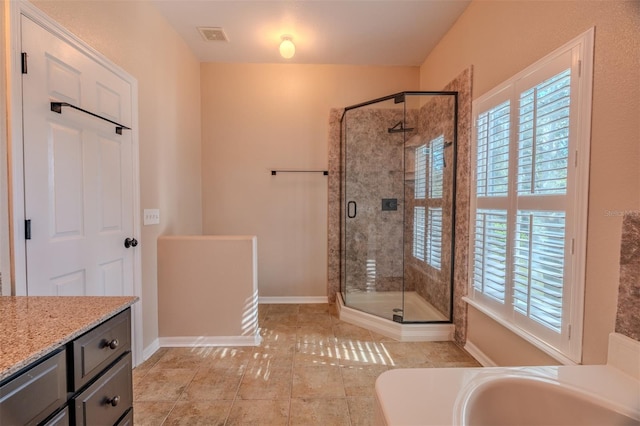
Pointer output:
33, 395
87, 381
100, 373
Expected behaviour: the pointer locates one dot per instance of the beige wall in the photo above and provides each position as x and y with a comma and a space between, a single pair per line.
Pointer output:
499, 345
207, 289
256, 117
500, 38
136, 37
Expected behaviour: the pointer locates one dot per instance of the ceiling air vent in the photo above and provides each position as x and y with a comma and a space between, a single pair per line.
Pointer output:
212, 34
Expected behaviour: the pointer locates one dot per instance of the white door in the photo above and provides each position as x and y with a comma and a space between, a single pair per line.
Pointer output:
78, 172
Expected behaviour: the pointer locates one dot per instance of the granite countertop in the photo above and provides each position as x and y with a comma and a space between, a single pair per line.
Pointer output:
33, 326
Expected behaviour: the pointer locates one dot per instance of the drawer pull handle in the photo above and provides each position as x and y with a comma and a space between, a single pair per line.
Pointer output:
113, 344
114, 401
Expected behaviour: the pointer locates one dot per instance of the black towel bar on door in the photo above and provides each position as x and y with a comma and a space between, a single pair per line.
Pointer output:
57, 107
275, 172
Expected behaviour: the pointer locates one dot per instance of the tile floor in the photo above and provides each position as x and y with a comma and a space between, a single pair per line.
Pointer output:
310, 369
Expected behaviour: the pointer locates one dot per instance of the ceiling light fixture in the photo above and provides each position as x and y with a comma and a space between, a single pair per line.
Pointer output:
287, 48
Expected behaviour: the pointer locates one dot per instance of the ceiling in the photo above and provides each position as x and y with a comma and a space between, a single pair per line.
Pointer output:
360, 32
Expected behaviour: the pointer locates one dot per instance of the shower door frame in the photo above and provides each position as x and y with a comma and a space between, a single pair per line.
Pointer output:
398, 97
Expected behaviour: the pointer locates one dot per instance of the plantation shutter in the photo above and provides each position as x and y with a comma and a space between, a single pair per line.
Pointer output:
427, 216
530, 168
539, 267
421, 172
490, 253
492, 172
419, 233
539, 246
434, 237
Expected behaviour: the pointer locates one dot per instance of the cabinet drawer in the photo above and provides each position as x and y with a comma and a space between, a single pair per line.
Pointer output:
94, 351
35, 394
108, 398
127, 420
60, 419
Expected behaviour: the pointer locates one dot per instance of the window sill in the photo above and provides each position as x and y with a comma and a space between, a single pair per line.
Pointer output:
537, 343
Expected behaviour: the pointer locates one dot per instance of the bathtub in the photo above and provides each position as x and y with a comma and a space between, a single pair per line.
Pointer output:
514, 400
585, 395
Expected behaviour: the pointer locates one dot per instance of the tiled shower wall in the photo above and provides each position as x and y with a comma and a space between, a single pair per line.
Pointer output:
462, 84
628, 315
434, 119
374, 170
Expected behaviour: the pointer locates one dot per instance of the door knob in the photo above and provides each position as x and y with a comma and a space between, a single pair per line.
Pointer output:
130, 242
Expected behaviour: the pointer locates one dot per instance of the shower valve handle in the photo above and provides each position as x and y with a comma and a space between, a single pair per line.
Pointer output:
355, 209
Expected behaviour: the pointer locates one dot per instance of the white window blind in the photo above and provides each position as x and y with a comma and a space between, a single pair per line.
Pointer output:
490, 253
434, 237
419, 233
539, 267
529, 206
493, 151
427, 215
421, 173
436, 167
543, 132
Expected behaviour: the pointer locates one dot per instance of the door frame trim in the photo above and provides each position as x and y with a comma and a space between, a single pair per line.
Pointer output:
15, 157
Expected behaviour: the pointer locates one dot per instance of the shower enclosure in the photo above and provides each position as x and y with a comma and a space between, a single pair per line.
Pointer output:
397, 206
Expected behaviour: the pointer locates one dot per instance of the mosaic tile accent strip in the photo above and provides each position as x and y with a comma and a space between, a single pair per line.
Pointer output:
333, 214
463, 85
628, 315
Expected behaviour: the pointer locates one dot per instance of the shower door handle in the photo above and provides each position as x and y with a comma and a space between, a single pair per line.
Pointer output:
355, 209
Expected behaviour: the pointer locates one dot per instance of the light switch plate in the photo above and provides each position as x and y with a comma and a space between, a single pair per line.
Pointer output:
151, 217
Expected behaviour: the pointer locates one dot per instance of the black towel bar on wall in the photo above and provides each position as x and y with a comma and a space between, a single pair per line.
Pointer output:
275, 172
57, 107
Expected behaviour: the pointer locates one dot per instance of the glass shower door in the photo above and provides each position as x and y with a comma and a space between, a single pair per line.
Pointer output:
398, 169
373, 208
429, 206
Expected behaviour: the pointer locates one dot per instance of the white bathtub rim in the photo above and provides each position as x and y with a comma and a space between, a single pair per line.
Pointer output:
403, 396
542, 375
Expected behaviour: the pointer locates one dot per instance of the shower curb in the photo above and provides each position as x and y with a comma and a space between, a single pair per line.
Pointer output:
433, 332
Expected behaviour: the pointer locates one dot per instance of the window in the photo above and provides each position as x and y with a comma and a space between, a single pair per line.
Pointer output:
427, 214
528, 218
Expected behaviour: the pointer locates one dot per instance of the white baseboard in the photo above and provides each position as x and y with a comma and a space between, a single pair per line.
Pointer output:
480, 356
293, 299
193, 341
150, 350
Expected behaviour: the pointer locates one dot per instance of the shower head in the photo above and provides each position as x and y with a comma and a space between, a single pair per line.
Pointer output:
399, 128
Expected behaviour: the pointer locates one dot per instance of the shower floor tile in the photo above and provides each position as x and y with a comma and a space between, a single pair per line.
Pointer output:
304, 372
